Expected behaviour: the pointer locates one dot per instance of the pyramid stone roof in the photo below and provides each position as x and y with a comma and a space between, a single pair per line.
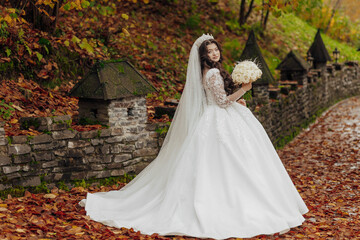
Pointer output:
112, 80
293, 62
318, 50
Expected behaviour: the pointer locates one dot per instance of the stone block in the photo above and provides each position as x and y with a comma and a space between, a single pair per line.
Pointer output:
58, 176
127, 148
3, 150
25, 168
145, 152
78, 143
78, 175
57, 170
60, 122
43, 156
132, 161
93, 174
105, 132
99, 174
12, 176
123, 105
75, 153
122, 158
130, 169
133, 129
60, 152
31, 181
115, 148
60, 119
49, 146
59, 126
18, 149
11, 169
22, 159
105, 149
66, 134
50, 164
99, 159
131, 137
4, 186
151, 126
19, 139
143, 120
114, 165
4, 160
93, 159
89, 150
38, 123
115, 139
89, 134
96, 142
117, 172
43, 138
97, 167
152, 144
3, 141
117, 131
107, 159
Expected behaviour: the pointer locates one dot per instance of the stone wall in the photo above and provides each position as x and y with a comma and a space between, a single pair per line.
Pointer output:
283, 116
66, 154
129, 144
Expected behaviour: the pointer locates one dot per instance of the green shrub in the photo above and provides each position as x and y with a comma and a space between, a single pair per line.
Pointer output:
6, 111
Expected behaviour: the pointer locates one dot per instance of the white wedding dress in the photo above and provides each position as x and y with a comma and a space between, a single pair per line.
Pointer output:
227, 181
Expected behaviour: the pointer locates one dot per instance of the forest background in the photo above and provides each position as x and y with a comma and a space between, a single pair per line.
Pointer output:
46, 46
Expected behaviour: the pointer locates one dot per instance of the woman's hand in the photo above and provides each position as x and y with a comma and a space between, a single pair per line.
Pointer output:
246, 86
240, 92
242, 102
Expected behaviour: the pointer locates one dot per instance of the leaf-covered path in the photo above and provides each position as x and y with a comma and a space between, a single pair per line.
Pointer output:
323, 162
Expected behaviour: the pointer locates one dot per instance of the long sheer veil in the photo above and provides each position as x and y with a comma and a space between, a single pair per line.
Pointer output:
192, 100
186, 118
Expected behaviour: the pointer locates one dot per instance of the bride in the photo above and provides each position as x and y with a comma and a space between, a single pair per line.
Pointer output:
217, 174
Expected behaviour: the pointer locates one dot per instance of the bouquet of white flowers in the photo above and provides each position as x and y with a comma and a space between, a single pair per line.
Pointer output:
246, 72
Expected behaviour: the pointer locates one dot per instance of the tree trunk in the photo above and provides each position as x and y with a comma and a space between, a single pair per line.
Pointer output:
266, 19
262, 12
242, 12
337, 5
249, 10
36, 16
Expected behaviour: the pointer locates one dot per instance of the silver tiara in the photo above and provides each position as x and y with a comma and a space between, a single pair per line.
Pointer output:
201, 39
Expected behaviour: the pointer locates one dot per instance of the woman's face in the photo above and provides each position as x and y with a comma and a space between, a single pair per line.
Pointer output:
213, 52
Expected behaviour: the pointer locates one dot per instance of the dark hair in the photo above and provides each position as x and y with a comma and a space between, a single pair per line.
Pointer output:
207, 63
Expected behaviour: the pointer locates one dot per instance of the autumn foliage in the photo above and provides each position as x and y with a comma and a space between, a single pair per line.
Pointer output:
322, 162
89, 33
155, 36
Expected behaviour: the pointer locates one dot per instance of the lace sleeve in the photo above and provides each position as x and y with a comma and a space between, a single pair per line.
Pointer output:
215, 84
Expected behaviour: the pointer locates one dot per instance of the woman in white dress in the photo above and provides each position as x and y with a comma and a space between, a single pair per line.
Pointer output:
217, 174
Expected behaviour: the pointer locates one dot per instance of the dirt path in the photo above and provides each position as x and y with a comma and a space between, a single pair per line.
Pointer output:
323, 162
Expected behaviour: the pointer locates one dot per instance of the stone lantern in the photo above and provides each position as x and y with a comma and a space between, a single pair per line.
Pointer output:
252, 52
318, 52
294, 68
113, 93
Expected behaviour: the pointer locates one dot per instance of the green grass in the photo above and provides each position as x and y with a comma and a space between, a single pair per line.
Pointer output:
296, 34
19, 191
